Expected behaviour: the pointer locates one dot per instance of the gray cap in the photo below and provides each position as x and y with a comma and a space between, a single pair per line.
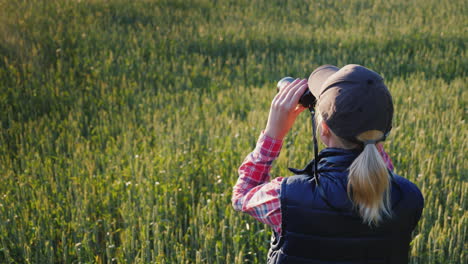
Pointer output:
352, 100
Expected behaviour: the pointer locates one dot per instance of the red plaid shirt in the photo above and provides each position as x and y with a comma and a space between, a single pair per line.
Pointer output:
254, 192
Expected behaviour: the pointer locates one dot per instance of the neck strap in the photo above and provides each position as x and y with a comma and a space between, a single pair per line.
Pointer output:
314, 138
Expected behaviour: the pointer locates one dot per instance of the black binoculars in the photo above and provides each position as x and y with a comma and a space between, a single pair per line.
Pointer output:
307, 99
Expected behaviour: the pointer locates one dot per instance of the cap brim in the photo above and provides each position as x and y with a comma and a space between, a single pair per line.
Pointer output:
318, 77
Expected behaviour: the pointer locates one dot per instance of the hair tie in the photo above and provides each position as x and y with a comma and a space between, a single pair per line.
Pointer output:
370, 141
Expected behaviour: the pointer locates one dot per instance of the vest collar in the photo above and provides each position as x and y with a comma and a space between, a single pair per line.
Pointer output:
330, 159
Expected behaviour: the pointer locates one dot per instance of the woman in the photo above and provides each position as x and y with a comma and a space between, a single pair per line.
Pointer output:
353, 208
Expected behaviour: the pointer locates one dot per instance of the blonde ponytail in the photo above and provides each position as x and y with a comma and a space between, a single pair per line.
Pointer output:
368, 178
369, 181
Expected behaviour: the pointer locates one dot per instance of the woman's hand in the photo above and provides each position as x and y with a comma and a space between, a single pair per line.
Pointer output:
285, 108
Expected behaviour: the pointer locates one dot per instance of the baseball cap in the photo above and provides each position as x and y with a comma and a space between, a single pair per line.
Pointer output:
352, 100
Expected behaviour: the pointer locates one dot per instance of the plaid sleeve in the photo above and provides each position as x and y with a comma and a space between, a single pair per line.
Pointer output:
385, 156
254, 193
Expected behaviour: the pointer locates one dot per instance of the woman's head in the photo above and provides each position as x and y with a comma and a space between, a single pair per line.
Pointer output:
352, 100
355, 109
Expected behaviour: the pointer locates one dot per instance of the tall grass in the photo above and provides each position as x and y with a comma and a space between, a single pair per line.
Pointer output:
123, 122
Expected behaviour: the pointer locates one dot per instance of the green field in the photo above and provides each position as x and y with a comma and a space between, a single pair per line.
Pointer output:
123, 123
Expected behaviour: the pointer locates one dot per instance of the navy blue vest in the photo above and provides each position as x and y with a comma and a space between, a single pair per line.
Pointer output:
326, 229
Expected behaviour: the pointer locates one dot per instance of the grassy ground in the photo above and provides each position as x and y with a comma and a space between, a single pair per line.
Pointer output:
123, 123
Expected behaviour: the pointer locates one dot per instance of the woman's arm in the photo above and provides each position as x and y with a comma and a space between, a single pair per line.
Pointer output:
254, 193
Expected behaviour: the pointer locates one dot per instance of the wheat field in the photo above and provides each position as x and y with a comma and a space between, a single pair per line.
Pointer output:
123, 123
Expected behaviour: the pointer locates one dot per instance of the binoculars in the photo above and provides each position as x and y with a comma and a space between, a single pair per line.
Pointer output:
307, 99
